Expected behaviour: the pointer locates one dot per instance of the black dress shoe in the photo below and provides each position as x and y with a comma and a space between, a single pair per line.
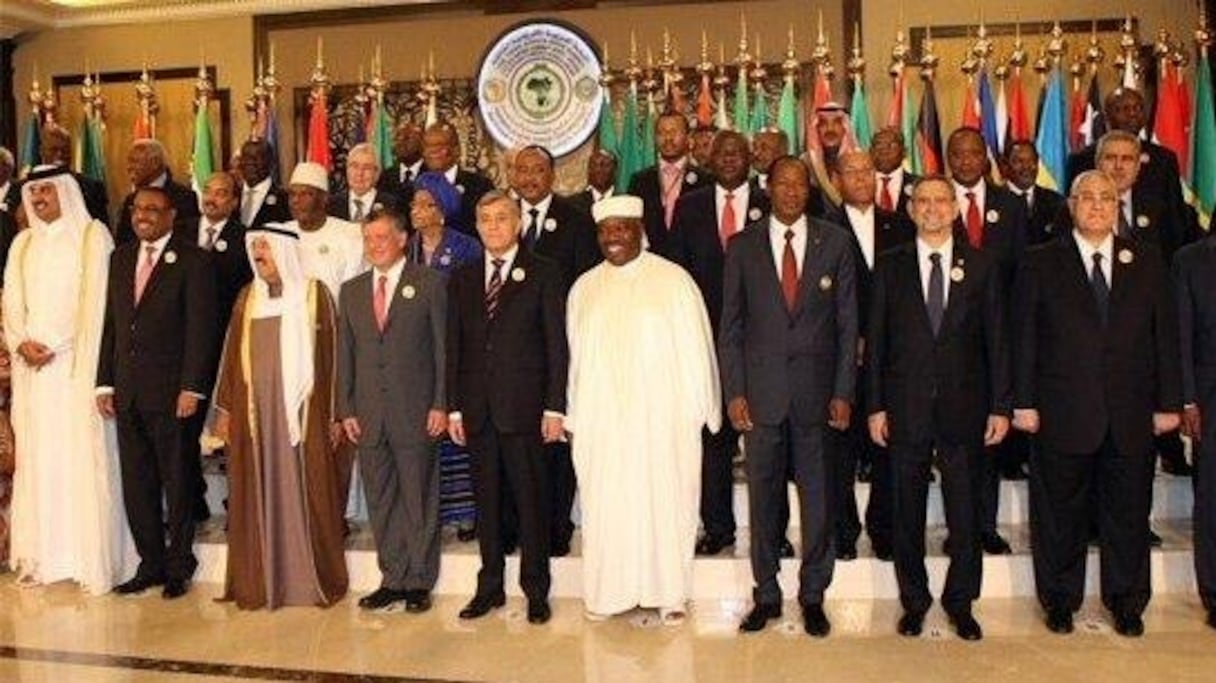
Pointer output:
759, 617
481, 605
380, 598
1154, 540
417, 601
175, 588
1129, 625
1059, 621
538, 611
815, 621
559, 547
1211, 621
1014, 474
865, 472
911, 624
882, 550
712, 544
138, 584
846, 552
509, 545
466, 534
966, 626
787, 549
993, 544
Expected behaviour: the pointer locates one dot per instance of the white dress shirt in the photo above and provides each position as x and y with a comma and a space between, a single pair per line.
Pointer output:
508, 258
368, 200
1106, 248
895, 184
742, 195
252, 199
394, 276
596, 195
776, 240
207, 242
862, 223
414, 170
960, 193
542, 212
923, 251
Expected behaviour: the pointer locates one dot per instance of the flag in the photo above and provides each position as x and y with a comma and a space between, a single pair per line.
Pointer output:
1052, 138
742, 115
630, 157
318, 131
759, 111
92, 150
607, 138
987, 109
928, 140
1002, 117
721, 119
31, 150
859, 115
1169, 123
1019, 124
1077, 109
202, 154
379, 133
914, 160
895, 115
705, 103
1202, 172
787, 116
144, 128
647, 150
971, 106
675, 98
1094, 125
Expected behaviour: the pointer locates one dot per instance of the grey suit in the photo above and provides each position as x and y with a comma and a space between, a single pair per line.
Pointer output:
789, 365
389, 381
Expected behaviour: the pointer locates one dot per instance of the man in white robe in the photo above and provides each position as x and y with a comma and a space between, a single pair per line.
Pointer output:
68, 517
643, 382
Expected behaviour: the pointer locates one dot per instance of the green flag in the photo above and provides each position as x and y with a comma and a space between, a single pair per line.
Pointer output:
92, 153
859, 113
202, 163
787, 116
743, 119
908, 127
1202, 174
759, 112
630, 149
381, 137
607, 130
648, 153
31, 146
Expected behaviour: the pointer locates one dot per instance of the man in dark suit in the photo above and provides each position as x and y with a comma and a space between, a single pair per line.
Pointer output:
662, 184
1046, 209
407, 150
893, 185
393, 403
601, 174
767, 145
938, 388
992, 220
705, 220
146, 167
363, 194
441, 153
1194, 273
1096, 374
155, 371
555, 228
506, 369
788, 351
874, 232
262, 200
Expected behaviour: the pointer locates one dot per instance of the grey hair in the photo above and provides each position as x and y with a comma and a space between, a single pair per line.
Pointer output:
1115, 136
152, 145
1087, 176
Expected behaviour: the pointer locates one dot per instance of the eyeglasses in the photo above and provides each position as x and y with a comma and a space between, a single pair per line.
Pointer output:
1096, 198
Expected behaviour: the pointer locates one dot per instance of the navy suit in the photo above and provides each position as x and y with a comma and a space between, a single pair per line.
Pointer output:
789, 365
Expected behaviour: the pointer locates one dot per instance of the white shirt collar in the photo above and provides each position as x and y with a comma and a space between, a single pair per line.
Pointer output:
262, 187
596, 195
450, 174
961, 193
508, 259
946, 250
542, 208
393, 272
1106, 248
856, 214
158, 245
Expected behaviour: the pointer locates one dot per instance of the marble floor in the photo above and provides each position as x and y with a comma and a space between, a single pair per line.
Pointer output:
57, 634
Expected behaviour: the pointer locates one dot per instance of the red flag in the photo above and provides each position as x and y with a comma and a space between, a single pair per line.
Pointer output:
1019, 124
895, 115
318, 133
971, 106
705, 104
143, 126
1169, 125
675, 99
1077, 116
928, 132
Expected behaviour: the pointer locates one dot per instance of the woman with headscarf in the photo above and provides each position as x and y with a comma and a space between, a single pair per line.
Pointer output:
274, 411
433, 244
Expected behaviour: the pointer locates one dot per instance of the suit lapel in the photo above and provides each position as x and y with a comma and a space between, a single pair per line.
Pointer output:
814, 238
958, 288
1077, 276
1120, 272
511, 285
913, 289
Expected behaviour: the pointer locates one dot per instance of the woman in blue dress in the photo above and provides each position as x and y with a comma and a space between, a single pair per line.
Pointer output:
443, 249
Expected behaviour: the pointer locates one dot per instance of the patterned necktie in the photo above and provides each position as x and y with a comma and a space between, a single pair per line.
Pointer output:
1097, 282
975, 228
789, 272
210, 238
729, 224
884, 198
144, 272
380, 302
671, 191
247, 208
935, 301
357, 216
494, 288
531, 235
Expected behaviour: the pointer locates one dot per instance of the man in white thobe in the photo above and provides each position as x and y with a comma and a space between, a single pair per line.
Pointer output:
331, 249
68, 516
643, 382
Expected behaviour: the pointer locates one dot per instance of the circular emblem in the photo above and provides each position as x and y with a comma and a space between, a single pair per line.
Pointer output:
460, 189
1144, 157
518, 274
825, 282
377, 207
957, 274
550, 225
1142, 221
691, 177
170, 257
753, 214
538, 84
408, 291
445, 260
993, 215
1125, 256
271, 200
221, 245
908, 190
4, 207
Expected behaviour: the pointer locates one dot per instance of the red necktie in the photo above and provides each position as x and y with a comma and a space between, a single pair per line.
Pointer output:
789, 272
671, 191
975, 227
729, 223
380, 302
884, 199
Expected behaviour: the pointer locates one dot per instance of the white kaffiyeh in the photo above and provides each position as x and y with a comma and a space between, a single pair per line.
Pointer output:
643, 382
